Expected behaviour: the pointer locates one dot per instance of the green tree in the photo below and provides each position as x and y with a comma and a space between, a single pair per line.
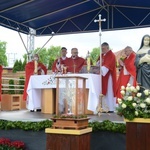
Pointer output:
43, 55
94, 55
3, 57
24, 61
23, 65
51, 60
54, 52
47, 56
16, 66
20, 67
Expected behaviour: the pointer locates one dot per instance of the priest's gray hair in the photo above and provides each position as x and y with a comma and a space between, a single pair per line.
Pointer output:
129, 47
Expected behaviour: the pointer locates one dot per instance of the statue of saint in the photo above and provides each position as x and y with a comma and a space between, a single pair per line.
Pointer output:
142, 63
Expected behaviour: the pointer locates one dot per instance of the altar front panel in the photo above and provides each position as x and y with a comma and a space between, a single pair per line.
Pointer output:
37, 83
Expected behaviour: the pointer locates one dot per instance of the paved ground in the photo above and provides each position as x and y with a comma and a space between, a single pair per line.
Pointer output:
26, 115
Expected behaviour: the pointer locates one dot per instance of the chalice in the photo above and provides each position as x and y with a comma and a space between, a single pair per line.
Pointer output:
65, 69
62, 68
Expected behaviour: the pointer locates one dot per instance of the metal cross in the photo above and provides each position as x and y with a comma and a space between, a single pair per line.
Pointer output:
99, 107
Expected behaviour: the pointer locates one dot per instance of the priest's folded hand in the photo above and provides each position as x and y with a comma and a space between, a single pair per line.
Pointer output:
39, 68
121, 62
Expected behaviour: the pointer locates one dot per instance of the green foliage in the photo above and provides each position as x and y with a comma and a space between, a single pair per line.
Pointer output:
23, 65
51, 61
94, 55
15, 67
34, 126
47, 57
108, 126
18, 66
11, 86
54, 52
7, 147
21, 82
37, 126
70, 116
43, 55
3, 57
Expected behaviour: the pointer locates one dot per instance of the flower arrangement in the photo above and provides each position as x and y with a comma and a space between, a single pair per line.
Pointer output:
134, 104
70, 116
7, 144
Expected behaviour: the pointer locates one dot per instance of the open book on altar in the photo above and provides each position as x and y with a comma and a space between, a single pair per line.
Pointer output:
93, 69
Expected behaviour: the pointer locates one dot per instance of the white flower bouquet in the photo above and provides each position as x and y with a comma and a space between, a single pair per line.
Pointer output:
134, 104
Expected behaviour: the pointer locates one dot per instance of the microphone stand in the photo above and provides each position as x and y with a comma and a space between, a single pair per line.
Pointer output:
99, 108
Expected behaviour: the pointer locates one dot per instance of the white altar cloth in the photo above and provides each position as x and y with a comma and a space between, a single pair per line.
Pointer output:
37, 83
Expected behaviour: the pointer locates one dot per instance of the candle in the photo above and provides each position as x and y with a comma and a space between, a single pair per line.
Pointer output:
35, 67
88, 62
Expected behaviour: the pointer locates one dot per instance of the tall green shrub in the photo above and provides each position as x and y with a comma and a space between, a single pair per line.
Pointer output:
11, 87
21, 82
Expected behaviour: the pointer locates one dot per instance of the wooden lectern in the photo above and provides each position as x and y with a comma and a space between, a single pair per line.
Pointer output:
70, 95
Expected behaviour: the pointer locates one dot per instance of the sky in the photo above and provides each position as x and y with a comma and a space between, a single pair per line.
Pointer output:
85, 42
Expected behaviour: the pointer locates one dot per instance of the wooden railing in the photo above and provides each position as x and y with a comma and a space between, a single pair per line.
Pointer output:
12, 100
6, 85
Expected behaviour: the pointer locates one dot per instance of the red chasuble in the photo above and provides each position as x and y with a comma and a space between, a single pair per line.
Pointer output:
109, 61
29, 70
75, 65
124, 79
54, 68
1, 70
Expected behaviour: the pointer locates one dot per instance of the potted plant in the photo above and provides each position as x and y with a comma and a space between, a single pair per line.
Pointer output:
134, 104
135, 107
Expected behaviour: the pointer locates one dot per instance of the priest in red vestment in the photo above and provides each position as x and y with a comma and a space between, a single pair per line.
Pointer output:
30, 70
75, 63
127, 71
1, 70
56, 67
108, 70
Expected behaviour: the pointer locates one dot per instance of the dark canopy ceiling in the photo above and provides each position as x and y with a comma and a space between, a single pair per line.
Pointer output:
73, 16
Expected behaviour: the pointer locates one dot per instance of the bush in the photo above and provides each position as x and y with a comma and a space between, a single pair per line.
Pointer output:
21, 82
11, 87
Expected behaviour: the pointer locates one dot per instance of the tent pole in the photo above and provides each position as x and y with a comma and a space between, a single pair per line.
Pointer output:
52, 34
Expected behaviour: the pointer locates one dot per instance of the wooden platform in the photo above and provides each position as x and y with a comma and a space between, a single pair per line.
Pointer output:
68, 131
68, 139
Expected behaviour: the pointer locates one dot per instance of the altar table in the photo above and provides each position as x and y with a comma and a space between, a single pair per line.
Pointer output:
38, 83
